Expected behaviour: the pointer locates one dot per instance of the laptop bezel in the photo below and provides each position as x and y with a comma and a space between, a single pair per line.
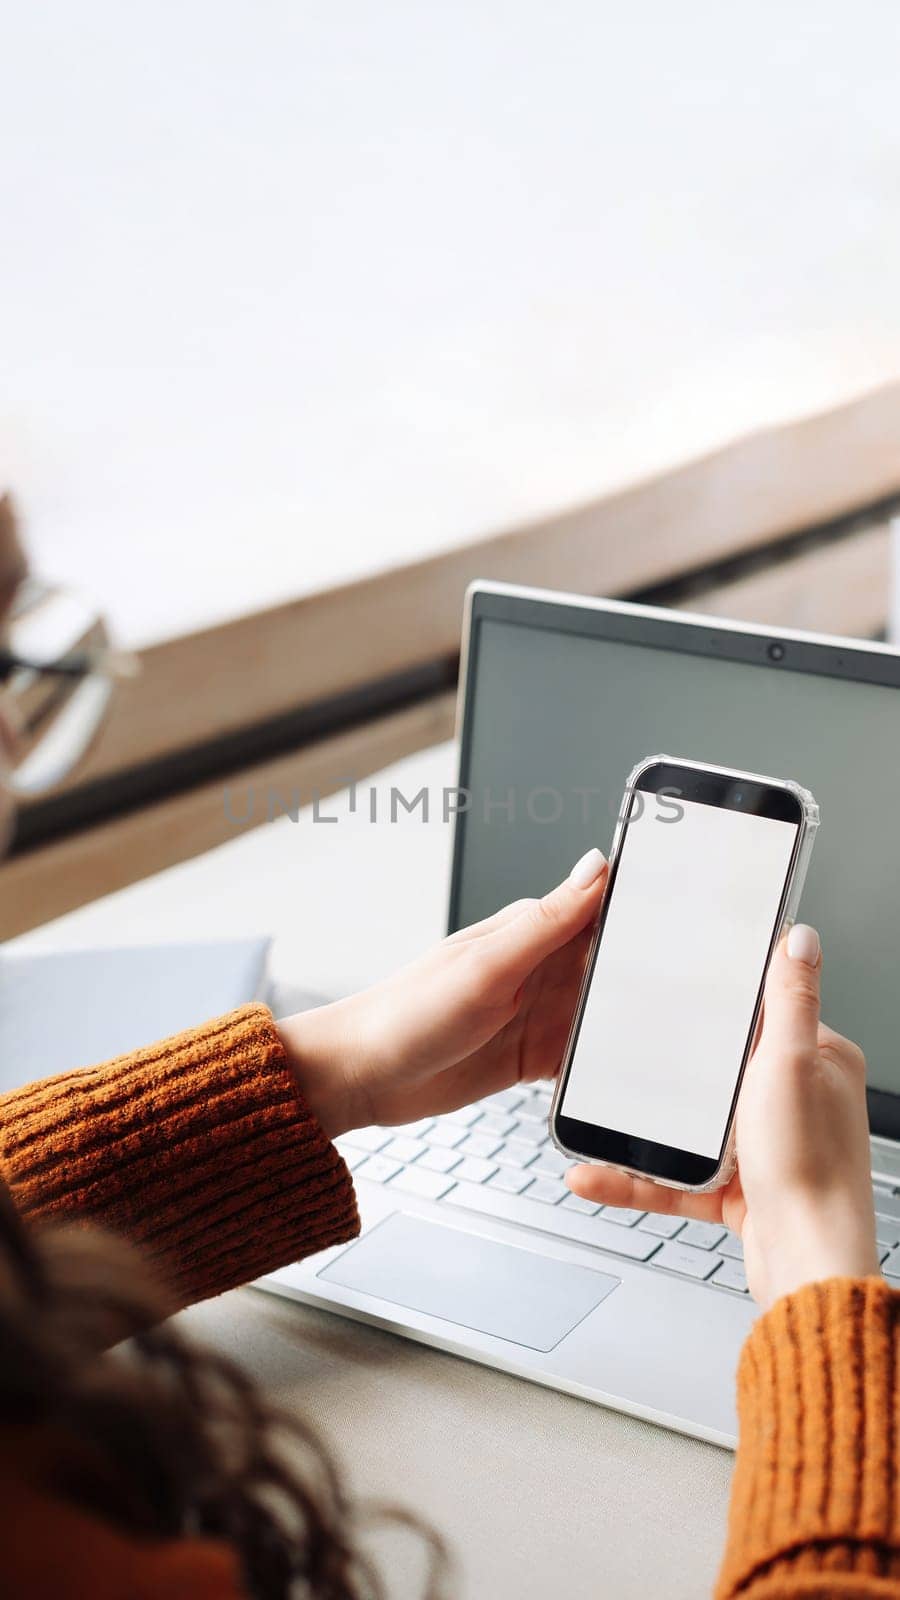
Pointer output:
691, 633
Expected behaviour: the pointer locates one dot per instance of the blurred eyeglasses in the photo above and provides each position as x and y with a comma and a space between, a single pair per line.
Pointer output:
58, 671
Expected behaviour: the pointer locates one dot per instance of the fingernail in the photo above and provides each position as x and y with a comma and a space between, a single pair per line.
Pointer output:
588, 869
803, 944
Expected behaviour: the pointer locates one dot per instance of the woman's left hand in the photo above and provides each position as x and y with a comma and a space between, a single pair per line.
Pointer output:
488, 1007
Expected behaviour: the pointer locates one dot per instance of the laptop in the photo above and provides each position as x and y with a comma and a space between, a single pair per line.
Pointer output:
471, 1241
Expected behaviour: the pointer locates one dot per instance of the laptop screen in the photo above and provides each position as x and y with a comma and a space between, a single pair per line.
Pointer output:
558, 712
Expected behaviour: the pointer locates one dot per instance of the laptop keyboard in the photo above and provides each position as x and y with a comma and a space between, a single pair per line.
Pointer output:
496, 1158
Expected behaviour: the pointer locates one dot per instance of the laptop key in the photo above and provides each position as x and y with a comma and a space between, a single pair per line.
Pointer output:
705, 1235
509, 1179
379, 1169
466, 1115
405, 1150
554, 1219
890, 1265
448, 1134
686, 1259
731, 1246
887, 1202
478, 1144
533, 1133
730, 1275
887, 1230
436, 1159
428, 1185
516, 1154
551, 1163
472, 1169
354, 1158
496, 1122
506, 1099
368, 1138
587, 1208
662, 1227
625, 1216
532, 1110
548, 1190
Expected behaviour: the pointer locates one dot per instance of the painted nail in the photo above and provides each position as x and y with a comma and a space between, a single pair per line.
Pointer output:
803, 944
588, 869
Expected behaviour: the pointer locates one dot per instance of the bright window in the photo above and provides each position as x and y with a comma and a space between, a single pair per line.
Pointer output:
294, 291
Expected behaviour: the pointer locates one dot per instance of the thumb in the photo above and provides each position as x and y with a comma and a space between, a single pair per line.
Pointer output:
545, 925
792, 1002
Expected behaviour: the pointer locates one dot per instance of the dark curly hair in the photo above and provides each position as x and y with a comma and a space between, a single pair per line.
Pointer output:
163, 1438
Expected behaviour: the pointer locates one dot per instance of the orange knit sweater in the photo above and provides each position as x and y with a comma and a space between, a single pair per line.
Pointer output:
203, 1152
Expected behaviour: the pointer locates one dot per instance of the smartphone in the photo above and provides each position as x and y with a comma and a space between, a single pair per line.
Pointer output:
706, 869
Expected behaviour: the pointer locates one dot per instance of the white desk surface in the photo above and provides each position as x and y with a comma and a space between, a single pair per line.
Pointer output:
533, 1489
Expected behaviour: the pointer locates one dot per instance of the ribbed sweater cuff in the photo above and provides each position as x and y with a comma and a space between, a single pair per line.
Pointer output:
815, 1488
200, 1150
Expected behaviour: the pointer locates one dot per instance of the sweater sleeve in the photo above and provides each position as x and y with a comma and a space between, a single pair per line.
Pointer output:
200, 1150
815, 1507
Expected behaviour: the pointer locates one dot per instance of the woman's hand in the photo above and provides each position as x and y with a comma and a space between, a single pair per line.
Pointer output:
490, 1006
801, 1198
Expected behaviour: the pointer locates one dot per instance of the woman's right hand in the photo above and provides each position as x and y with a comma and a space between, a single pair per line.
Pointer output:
801, 1197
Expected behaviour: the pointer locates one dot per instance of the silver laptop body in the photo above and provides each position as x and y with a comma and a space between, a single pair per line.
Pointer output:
471, 1241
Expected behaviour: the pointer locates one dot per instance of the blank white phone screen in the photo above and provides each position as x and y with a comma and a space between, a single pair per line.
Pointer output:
678, 969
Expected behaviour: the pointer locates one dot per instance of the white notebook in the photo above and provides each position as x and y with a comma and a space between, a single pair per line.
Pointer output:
72, 1008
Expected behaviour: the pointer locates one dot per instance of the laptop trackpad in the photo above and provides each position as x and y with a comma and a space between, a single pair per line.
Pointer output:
500, 1289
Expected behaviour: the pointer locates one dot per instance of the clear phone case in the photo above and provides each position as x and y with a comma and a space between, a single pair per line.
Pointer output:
793, 891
